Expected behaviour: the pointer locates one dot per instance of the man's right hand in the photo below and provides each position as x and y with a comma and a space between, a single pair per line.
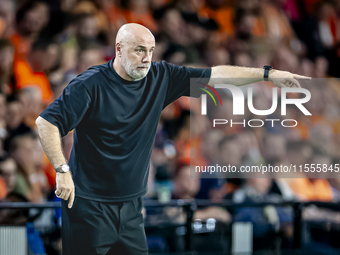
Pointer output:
65, 187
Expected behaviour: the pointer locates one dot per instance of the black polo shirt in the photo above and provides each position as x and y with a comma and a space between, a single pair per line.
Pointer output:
114, 122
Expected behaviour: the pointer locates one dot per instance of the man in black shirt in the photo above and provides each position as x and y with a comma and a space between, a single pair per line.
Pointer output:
114, 110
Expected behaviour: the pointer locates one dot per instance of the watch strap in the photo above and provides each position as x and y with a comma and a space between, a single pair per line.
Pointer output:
266, 72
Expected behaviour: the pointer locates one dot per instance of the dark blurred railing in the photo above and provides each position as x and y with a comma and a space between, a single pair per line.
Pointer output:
190, 206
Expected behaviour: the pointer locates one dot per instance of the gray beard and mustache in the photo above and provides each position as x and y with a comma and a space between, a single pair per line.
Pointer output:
133, 72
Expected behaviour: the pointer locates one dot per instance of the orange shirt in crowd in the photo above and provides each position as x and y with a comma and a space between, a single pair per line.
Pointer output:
25, 77
316, 190
277, 24
115, 16
303, 130
145, 19
3, 188
21, 47
223, 17
2, 26
315, 118
258, 28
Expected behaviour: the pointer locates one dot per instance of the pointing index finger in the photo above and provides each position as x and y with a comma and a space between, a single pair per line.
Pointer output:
297, 76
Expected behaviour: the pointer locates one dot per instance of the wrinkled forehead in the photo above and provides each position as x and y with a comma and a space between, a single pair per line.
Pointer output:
146, 42
142, 39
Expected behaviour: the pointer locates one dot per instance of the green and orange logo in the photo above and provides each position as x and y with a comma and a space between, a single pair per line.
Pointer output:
209, 93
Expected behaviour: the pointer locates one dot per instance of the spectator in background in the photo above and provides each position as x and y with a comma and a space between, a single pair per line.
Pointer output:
85, 24
321, 67
211, 150
8, 171
87, 30
230, 151
23, 185
88, 8
187, 186
249, 147
31, 180
314, 187
87, 57
172, 27
321, 137
230, 154
3, 178
3, 188
113, 13
242, 59
14, 121
244, 26
138, 11
30, 20
274, 147
276, 24
2, 26
219, 56
299, 152
177, 54
210, 187
30, 98
301, 131
30, 72
7, 11
6, 66
283, 57
222, 14
327, 23
3, 125
307, 67
199, 30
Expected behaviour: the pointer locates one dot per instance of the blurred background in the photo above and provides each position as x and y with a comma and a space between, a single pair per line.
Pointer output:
45, 44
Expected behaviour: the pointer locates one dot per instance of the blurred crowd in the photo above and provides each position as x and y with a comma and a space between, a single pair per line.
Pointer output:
44, 44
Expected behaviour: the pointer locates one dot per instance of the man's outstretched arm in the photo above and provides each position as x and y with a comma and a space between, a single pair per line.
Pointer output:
240, 76
51, 143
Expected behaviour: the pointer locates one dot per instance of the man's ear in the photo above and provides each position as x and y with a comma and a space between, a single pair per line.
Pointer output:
118, 49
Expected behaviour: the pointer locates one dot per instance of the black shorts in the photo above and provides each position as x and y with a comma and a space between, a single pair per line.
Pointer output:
92, 227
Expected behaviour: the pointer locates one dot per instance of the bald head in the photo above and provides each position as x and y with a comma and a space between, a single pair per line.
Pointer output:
134, 47
131, 32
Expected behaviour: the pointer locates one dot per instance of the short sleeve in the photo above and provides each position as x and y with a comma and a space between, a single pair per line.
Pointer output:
68, 110
179, 80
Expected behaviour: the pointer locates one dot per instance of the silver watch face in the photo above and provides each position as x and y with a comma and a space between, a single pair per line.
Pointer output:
63, 169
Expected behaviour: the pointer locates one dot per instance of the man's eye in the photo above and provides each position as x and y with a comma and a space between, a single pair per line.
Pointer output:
140, 51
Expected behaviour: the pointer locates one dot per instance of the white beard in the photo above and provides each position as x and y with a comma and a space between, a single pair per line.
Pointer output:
133, 72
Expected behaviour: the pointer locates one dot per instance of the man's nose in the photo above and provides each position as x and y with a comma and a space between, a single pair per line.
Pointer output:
147, 57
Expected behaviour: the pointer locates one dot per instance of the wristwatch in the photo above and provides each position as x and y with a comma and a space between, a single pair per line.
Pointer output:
64, 168
266, 72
